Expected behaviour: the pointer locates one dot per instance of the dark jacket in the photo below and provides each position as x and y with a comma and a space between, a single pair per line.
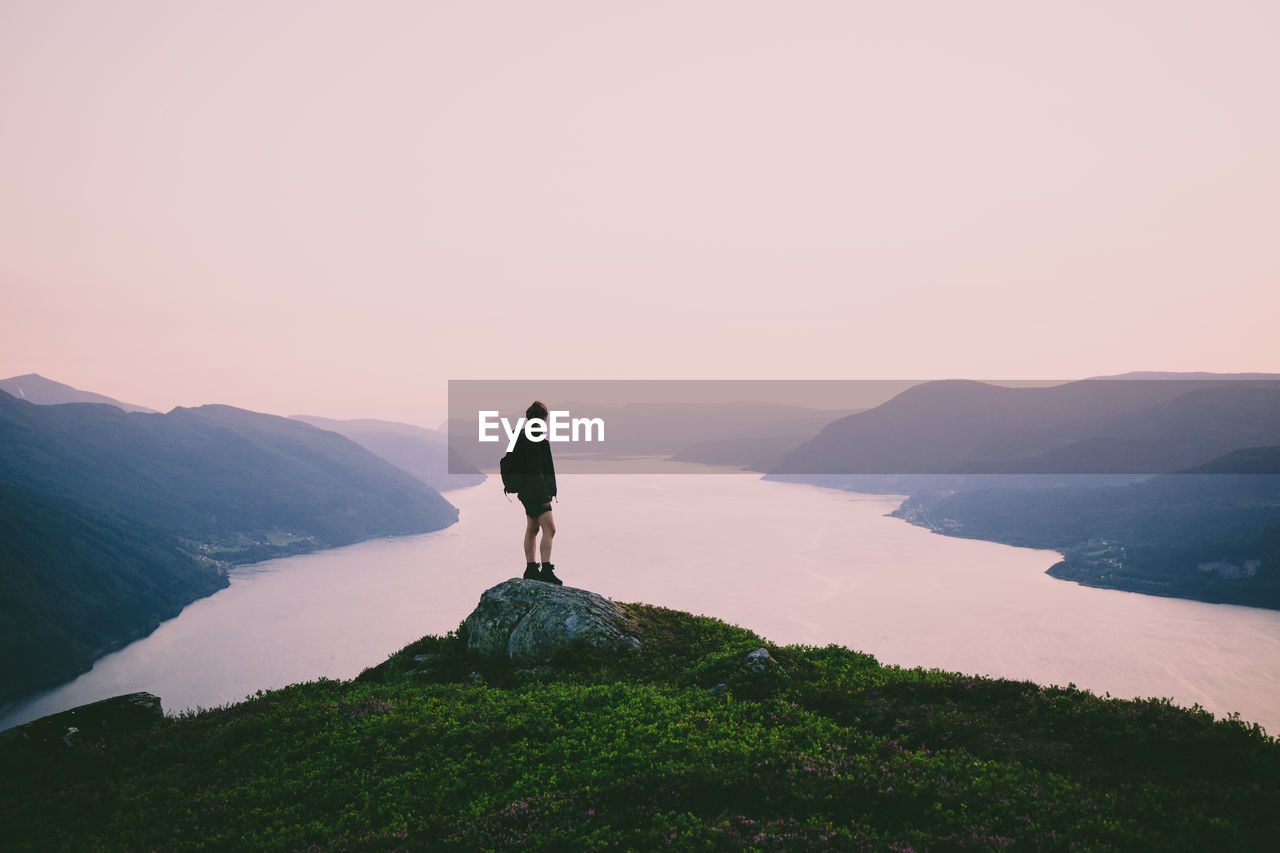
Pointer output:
536, 467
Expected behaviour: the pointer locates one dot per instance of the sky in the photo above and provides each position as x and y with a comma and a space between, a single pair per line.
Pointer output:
334, 208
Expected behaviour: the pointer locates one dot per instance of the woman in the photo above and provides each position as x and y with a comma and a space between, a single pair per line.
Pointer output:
538, 487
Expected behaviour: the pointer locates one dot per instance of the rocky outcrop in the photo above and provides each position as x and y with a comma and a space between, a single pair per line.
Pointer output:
759, 660
753, 664
87, 725
529, 621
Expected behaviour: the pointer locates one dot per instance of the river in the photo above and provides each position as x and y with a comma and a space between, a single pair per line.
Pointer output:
795, 563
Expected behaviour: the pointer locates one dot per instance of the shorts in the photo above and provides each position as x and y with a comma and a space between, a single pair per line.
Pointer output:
535, 505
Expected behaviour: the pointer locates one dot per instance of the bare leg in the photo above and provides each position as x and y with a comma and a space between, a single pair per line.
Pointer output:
548, 524
530, 534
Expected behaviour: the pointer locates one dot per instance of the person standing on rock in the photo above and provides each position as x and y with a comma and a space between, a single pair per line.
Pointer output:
538, 487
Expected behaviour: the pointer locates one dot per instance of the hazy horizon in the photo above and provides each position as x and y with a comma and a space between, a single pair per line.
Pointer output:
328, 209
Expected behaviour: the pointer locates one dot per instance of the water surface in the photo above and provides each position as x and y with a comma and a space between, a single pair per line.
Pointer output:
795, 563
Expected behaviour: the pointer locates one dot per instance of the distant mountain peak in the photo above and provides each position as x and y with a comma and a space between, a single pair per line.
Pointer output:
422, 452
1189, 374
35, 388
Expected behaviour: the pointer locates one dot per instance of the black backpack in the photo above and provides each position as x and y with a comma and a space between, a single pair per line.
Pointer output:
511, 478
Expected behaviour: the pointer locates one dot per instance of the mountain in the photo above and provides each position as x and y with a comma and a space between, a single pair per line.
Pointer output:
214, 471
1248, 460
711, 738
1210, 534
1192, 374
1086, 427
107, 504
424, 453
76, 583
34, 388
751, 453
1069, 467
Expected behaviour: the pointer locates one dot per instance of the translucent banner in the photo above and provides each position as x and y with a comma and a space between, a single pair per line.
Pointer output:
808, 428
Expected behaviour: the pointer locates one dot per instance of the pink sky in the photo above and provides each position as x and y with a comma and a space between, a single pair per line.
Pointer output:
333, 208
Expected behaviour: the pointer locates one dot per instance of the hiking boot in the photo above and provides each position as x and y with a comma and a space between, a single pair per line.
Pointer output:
549, 575
531, 572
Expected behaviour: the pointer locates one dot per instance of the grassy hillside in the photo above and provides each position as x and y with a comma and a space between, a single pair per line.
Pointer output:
684, 745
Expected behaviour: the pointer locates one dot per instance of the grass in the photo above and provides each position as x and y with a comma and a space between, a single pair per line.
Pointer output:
683, 745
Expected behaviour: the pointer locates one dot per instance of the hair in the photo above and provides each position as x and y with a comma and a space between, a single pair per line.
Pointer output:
537, 409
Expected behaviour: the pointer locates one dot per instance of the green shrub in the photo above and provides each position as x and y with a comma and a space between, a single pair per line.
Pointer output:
824, 749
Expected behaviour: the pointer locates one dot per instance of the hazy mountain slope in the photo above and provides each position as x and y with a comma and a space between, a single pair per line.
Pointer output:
1190, 429
749, 454
1249, 460
120, 497
422, 452
1029, 466
1190, 374
1207, 536
76, 583
374, 425
34, 388
1096, 426
214, 471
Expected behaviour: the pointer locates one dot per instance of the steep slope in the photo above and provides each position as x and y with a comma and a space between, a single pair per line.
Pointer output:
108, 502
76, 583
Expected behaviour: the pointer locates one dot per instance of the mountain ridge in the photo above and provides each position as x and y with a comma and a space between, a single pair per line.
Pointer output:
185, 494
1085, 427
423, 452
35, 388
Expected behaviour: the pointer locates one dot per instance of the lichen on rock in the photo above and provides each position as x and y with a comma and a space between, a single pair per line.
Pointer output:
529, 621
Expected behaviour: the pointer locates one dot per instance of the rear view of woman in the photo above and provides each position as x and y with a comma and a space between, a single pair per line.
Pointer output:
538, 487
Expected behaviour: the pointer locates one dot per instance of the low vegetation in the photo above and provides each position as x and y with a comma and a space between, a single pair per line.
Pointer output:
688, 744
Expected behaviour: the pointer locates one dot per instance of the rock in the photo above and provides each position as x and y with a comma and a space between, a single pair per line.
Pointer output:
96, 722
528, 621
537, 673
753, 664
